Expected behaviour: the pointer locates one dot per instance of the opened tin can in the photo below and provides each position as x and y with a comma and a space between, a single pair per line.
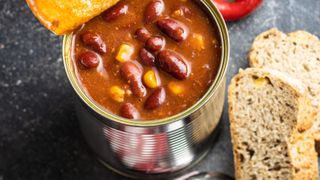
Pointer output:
140, 149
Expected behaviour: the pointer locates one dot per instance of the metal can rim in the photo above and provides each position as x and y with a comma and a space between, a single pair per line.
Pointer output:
224, 61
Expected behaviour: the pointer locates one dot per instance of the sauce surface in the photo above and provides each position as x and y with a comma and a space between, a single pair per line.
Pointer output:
102, 74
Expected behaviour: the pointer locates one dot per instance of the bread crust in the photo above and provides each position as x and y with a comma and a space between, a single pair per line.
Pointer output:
301, 41
301, 137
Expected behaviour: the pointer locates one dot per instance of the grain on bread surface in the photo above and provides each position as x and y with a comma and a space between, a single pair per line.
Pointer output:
269, 118
297, 54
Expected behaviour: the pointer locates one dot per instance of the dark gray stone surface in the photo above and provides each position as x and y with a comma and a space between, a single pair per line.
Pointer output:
39, 134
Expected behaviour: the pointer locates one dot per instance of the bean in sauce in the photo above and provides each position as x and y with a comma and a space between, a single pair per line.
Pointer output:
147, 60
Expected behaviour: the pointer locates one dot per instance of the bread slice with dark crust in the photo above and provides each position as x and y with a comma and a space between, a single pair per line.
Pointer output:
270, 116
298, 55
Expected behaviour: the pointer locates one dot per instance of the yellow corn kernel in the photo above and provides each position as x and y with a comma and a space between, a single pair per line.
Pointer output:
117, 93
150, 79
124, 53
260, 82
198, 41
176, 88
177, 13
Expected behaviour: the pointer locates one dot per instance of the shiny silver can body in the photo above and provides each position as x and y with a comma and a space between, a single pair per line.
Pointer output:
157, 147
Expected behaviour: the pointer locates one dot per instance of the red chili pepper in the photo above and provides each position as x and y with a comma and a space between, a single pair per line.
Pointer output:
237, 9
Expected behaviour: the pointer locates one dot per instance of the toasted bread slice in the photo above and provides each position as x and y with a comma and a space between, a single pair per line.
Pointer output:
297, 54
269, 116
63, 16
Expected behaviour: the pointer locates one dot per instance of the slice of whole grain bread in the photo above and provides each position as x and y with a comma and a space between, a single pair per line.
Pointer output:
269, 118
297, 54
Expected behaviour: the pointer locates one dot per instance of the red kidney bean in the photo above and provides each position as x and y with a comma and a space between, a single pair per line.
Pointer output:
127, 110
173, 64
142, 34
94, 41
115, 11
153, 10
89, 59
156, 99
174, 29
155, 43
147, 58
132, 73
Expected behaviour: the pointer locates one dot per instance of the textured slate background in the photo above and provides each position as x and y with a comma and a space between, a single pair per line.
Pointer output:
39, 134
